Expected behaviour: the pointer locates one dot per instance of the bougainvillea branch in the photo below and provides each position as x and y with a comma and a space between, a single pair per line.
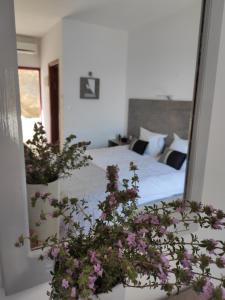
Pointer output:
136, 248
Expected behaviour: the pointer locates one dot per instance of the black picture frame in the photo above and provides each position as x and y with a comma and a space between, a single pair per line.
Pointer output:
89, 88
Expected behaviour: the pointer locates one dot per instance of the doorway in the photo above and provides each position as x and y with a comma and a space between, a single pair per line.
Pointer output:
53, 68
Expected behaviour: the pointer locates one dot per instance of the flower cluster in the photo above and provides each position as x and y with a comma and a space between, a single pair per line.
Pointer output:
45, 162
134, 248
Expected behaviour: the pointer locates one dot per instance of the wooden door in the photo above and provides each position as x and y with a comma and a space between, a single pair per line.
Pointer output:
54, 100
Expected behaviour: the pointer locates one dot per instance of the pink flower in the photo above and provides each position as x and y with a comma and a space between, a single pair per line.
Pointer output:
154, 220
119, 244
103, 216
55, 252
164, 260
112, 200
93, 257
162, 275
217, 225
162, 230
212, 242
65, 284
222, 292
73, 292
209, 209
142, 246
120, 253
91, 282
98, 269
188, 255
175, 221
222, 259
207, 290
131, 239
142, 232
189, 274
181, 207
186, 263
132, 193
141, 218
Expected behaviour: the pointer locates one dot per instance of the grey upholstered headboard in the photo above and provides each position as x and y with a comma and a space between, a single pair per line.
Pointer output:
162, 116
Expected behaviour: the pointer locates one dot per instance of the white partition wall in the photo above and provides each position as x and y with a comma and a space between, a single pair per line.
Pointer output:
18, 270
205, 93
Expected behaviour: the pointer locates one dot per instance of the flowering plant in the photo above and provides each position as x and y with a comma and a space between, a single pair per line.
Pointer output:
134, 248
45, 162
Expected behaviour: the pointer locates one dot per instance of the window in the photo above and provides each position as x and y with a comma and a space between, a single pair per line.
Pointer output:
30, 99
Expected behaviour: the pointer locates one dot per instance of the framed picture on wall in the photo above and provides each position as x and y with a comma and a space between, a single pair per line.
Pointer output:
89, 88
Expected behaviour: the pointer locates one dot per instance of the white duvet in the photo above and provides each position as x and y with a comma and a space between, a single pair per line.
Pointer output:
157, 181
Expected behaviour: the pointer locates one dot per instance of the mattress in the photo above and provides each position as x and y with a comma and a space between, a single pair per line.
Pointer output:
157, 181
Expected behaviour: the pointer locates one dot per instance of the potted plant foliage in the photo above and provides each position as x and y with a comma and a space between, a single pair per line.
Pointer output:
129, 248
45, 164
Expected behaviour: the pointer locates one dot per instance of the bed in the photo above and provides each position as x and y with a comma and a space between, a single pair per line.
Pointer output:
157, 181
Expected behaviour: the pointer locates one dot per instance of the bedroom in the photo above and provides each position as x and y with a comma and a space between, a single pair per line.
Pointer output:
152, 60
142, 84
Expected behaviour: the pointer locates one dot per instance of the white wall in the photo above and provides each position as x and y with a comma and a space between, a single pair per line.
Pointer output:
18, 270
51, 49
162, 56
104, 52
28, 60
157, 59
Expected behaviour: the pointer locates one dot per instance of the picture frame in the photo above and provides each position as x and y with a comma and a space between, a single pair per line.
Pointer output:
89, 88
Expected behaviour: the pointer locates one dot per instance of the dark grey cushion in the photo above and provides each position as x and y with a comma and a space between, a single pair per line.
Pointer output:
138, 146
172, 158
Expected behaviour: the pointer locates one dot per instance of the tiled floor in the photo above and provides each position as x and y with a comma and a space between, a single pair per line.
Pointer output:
37, 293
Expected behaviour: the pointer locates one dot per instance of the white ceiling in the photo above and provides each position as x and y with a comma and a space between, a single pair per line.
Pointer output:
36, 17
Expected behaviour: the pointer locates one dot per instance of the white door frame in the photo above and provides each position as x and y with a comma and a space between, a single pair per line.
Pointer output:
204, 96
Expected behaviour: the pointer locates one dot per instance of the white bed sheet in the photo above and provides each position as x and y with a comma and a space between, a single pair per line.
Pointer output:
157, 180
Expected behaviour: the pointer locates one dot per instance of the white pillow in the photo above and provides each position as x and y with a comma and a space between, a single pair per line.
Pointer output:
156, 141
180, 145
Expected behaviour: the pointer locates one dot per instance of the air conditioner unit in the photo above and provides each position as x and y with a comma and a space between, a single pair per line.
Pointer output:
27, 48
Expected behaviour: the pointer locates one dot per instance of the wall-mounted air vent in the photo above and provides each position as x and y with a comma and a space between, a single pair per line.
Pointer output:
27, 48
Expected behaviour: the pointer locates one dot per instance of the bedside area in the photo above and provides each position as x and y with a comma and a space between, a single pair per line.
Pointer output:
117, 142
